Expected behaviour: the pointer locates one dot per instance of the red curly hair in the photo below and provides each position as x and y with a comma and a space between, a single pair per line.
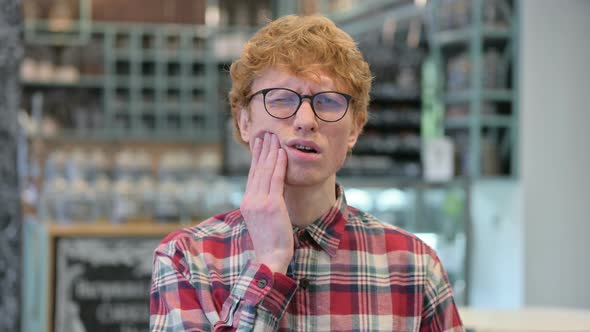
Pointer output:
305, 46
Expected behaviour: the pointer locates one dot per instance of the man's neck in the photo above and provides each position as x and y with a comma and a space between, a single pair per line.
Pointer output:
306, 204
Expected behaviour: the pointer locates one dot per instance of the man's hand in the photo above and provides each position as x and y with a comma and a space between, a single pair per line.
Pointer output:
263, 205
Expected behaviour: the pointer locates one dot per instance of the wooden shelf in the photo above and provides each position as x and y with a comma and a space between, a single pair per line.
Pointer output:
463, 35
488, 95
464, 122
85, 81
141, 228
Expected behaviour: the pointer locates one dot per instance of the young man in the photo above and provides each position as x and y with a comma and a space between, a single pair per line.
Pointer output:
295, 256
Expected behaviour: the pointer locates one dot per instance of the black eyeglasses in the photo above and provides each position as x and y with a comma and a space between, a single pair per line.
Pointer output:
283, 103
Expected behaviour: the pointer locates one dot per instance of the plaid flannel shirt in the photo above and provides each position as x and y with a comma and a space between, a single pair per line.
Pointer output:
350, 272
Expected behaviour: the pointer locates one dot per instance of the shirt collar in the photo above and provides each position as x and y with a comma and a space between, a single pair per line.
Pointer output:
327, 230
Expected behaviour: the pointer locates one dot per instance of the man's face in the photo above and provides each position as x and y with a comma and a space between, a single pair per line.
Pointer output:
327, 142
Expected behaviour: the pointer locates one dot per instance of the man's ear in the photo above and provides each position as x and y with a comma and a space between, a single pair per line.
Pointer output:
244, 124
355, 131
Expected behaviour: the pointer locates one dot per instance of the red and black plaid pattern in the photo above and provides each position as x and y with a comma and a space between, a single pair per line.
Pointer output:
350, 272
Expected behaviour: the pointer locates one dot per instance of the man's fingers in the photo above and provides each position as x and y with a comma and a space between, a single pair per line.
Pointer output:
268, 164
265, 148
256, 147
259, 175
274, 146
277, 184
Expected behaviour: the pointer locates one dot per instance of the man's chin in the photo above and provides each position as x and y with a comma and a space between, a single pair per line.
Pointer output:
297, 179
304, 179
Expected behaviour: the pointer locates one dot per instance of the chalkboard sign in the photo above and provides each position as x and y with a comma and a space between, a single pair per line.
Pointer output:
103, 283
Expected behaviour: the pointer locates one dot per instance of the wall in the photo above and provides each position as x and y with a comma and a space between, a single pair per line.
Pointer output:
496, 256
10, 230
555, 151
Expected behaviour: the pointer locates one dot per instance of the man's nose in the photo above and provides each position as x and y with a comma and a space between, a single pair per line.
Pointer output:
305, 119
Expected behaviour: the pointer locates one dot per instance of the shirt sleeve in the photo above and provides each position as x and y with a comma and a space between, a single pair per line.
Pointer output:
439, 311
257, 301
182, 299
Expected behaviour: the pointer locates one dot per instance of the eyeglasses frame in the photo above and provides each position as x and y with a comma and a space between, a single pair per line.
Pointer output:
301, 97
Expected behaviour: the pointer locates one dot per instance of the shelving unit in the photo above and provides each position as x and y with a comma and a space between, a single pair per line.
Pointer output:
154, 81
481, 105
74, 31
463, 35
391, 37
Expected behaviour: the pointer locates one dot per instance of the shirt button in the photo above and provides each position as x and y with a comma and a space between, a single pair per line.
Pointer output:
262, 283
304, 283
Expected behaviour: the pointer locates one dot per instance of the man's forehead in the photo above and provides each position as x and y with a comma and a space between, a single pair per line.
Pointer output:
284, 76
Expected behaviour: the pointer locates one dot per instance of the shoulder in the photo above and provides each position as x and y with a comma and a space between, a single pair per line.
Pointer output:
216, 229
395, 238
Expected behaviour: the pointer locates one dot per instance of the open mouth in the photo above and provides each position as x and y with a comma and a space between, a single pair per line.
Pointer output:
304, 148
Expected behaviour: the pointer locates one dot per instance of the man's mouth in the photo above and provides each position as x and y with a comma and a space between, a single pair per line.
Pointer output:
304, 148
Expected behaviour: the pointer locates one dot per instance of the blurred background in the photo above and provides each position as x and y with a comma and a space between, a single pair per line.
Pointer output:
115, 131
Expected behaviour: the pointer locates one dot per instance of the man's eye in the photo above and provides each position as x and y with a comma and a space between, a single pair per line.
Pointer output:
324, 100
285, 100
327, 101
